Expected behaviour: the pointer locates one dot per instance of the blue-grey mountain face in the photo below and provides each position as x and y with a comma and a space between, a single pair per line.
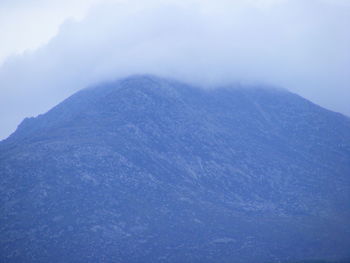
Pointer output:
151, 170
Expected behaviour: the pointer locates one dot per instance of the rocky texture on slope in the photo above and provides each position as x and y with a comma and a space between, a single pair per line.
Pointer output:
152, 170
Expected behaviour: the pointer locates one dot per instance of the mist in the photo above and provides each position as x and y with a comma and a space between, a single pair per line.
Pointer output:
303, 46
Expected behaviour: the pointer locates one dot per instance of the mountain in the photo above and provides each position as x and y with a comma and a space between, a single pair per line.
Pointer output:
147, 169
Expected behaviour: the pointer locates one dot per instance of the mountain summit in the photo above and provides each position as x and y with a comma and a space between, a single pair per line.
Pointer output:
147, 169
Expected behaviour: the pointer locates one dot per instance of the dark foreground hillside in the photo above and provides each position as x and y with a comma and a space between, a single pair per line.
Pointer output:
151, 170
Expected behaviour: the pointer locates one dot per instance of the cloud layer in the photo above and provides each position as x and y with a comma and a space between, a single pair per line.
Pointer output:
300, 45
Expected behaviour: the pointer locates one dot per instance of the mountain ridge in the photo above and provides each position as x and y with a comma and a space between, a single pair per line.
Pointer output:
128, 164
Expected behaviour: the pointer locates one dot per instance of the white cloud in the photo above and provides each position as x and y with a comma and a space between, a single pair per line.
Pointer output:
27, 25
301, 45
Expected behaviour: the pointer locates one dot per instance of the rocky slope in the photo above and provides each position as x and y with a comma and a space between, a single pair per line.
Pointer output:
152, 170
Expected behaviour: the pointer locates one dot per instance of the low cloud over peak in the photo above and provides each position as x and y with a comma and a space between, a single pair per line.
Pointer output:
300, 45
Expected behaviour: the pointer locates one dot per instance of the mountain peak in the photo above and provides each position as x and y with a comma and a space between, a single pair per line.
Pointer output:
150, 169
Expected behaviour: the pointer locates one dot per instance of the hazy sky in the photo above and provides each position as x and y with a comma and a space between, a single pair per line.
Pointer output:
51, 48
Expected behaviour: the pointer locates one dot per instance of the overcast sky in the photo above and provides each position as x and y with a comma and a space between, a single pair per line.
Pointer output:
49, 49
